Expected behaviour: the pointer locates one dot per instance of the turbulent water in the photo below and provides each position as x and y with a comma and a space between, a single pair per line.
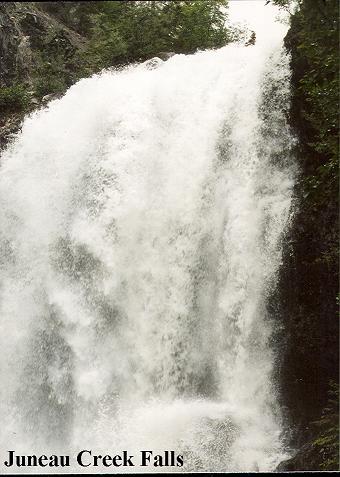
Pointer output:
142, 222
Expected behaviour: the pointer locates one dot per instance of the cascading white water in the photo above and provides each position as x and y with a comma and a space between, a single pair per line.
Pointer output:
142, 219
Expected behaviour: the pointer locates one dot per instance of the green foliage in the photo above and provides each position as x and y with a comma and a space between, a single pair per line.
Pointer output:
197, 25
313, 41
48, 84
13, 98
57, 64
327, 442
124, 32
51, 74
314, 36
318, 44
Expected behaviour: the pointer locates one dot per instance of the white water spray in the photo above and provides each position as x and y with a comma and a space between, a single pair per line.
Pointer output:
142, 219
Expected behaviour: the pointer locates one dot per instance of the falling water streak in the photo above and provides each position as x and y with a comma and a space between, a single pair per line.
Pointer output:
142, 222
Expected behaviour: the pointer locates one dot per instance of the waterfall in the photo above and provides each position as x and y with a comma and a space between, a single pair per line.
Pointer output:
142, 218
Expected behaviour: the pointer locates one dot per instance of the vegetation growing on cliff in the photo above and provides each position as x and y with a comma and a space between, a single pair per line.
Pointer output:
130, 31
13, 98
309, 282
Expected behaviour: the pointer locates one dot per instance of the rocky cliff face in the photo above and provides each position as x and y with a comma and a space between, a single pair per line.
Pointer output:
308, 292
27, 35
39, 54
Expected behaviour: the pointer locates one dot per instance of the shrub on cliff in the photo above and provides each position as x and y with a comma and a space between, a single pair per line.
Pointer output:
13, 98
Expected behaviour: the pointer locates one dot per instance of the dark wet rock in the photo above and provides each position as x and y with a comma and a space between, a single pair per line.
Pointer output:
26, 33
306, 458
252, 39
308, 285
